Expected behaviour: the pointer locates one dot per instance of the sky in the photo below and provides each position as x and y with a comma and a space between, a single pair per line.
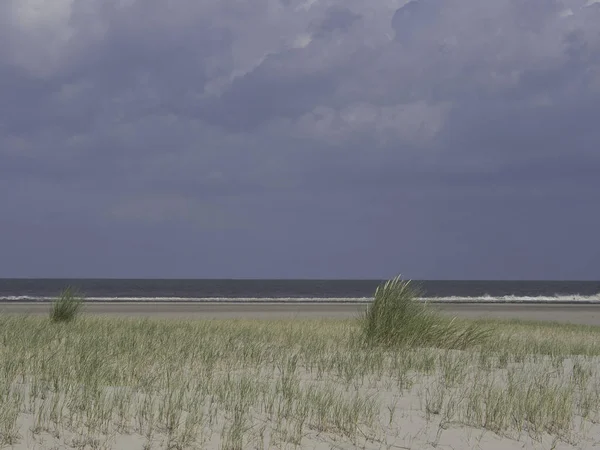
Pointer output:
436, 139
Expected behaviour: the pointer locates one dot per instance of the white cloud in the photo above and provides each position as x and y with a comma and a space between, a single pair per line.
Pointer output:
40, 32
302, 40
566, 13
31, 15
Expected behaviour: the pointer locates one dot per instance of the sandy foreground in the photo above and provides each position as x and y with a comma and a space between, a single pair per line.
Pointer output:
111, 383
409, 427
407, 419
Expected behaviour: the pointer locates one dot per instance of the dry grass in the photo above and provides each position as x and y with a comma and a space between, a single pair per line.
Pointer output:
95, 383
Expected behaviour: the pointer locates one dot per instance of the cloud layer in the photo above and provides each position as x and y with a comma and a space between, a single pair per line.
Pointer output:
300, 138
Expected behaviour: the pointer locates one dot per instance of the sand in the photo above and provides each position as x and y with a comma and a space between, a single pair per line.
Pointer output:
410, 428
581, 314
415, 422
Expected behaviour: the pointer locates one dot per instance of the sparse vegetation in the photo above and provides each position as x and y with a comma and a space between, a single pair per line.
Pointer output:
176, 384
66, 306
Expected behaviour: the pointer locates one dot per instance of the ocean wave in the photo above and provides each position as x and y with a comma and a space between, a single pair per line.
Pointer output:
449, 299
24, 298
518, 299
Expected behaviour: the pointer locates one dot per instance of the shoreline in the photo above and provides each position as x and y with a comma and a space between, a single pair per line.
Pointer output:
595, 300
578, 313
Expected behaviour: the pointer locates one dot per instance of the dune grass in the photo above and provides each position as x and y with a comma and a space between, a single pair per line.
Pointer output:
395, 317
234, 384
66, 306
249, 384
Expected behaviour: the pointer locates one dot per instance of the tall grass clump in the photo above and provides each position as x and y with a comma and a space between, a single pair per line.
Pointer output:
397, 317
66, 306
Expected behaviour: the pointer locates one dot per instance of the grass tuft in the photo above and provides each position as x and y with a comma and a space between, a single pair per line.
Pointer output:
397, 317
66, 306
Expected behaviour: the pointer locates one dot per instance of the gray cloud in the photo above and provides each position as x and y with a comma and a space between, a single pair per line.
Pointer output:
337, 18
262, 117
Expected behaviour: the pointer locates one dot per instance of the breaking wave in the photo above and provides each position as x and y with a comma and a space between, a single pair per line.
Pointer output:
451, 299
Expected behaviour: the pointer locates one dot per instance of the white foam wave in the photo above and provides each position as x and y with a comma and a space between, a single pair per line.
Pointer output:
450, 299
24, 298
518, 299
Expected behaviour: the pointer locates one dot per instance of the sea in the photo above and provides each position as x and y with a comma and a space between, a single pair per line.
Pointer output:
249, 290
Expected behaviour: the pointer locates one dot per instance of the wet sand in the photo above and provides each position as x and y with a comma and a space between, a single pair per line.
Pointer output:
585, 314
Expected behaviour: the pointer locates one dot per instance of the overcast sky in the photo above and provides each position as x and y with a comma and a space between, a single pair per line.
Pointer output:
300, 139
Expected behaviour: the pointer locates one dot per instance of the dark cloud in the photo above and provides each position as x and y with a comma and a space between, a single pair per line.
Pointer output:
532, 16
354, 139
414, 19
264, 94
337, 18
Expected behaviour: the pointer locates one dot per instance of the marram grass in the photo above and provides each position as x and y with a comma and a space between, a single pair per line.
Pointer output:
244, 384
66, 306
396, 317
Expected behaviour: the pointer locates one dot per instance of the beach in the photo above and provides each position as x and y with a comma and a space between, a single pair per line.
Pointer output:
110, 380
264, 373
574, 312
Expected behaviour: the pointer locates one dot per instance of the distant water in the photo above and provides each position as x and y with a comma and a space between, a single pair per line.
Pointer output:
295, 290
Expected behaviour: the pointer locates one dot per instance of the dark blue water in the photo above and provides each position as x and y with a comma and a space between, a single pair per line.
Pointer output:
15, 289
